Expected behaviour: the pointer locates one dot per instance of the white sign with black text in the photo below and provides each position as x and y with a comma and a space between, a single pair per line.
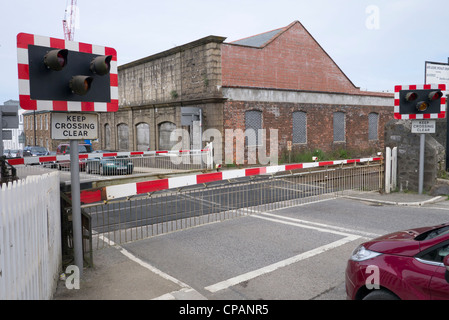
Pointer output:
423, 126
74, 126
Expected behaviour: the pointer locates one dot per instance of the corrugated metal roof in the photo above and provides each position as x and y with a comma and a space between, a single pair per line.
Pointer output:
260, 39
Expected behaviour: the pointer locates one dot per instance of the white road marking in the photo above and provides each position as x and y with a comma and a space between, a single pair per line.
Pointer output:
169, 296
273, 267
327, 227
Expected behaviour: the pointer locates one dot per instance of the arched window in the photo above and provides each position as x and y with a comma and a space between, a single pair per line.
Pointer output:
165, 129
299, 124
122, 137
107, 136
142, 136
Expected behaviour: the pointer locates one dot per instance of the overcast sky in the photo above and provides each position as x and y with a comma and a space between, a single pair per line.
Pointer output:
377, 43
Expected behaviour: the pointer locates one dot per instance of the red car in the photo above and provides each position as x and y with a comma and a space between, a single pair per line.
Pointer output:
409, 265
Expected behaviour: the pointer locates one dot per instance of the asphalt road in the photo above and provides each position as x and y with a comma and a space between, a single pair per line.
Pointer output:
296, 253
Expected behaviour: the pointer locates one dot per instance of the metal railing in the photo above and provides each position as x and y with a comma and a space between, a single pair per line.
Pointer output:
112, 165
144, 216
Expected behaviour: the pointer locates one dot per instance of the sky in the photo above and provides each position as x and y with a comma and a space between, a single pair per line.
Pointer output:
377, 43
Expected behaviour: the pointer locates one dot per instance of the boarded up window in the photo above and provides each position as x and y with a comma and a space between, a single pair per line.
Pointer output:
339, 126
107, 136
373, 120
299, 127
165, 129
143, 136
253, 128
123, 137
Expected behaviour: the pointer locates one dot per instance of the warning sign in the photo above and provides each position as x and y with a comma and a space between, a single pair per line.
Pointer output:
74, 126
423, 126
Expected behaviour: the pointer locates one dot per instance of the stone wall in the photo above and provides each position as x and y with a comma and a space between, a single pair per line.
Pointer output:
152, 91
398, 134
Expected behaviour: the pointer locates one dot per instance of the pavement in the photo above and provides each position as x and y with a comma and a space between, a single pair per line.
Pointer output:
119, 275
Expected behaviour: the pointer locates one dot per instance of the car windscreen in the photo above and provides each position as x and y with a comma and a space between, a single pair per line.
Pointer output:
85, 149
38, 150
432, 233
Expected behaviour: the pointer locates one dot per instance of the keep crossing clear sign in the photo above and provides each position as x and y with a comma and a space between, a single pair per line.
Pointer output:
74, 126
423, 126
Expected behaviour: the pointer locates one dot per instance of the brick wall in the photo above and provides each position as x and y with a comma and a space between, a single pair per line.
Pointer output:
292, 60
278, 115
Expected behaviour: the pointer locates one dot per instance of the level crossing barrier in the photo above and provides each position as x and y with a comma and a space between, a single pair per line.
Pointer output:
161, 206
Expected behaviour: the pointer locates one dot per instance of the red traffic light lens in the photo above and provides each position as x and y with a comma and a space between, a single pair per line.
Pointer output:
435, 95
101, 65
56, 59
411, 96
61, 60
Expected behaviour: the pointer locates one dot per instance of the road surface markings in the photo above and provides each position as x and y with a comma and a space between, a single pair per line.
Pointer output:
186, 291
273, 267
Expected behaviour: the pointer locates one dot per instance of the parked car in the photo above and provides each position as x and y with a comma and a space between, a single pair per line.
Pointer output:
110, 165
64, 149
410, 265
6, 153
15, 153
35, 151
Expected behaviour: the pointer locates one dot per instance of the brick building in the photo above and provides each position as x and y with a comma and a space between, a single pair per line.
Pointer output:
281, 79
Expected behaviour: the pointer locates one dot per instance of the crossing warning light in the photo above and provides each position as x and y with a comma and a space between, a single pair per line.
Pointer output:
420, 102
60, 75
56, 59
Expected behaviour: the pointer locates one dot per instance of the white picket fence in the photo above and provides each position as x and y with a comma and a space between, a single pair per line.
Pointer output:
30, 238
391, 167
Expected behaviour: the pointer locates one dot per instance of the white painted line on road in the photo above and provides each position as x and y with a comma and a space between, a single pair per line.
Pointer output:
328, 227
273, 267
169, 296
144, 264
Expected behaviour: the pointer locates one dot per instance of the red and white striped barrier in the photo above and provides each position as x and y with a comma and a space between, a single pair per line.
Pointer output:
44, 159
132, 189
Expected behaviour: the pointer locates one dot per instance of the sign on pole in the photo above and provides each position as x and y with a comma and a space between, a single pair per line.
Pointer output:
423, 126
59, 75
437, 72
74, 126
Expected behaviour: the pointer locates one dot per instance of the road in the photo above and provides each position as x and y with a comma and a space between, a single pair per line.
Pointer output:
293, 253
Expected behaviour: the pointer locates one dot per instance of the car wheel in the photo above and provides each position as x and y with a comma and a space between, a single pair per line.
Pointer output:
381, 295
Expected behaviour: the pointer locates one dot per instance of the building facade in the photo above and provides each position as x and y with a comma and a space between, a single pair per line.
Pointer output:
281, 80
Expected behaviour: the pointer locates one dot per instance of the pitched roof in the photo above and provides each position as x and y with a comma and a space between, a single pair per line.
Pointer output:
260, 39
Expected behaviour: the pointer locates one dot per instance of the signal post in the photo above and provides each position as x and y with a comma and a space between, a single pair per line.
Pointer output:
421, 104
75, 80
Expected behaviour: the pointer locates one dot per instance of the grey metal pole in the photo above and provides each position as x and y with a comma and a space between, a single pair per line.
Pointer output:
76, 205
422, 141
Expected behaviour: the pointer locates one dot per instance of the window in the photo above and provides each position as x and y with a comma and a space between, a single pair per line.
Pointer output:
165, 130
107, 136
253, 128
123, 137
435, 255
339, 126
373, 119
299, 127
143, 136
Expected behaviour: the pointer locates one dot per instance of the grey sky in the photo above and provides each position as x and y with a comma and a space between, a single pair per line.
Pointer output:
377, 43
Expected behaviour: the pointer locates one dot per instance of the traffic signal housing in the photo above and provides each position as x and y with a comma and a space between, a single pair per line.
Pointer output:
59, 75
420, 102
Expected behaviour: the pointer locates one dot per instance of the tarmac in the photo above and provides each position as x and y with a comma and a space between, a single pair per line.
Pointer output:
119, 275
